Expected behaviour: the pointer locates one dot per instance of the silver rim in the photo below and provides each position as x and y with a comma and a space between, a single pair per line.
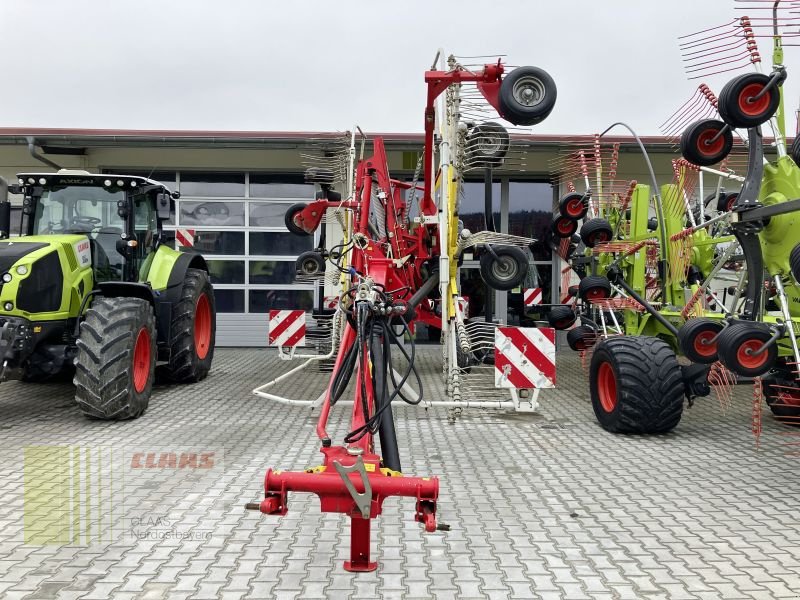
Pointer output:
528, 91
488, 144
504, 268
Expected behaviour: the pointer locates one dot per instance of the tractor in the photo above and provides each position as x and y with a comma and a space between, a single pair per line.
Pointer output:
91, 289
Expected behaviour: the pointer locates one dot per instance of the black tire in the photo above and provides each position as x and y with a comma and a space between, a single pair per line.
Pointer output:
695, 340
193, 330
573, 206
116, 360
288, 219
739, 337
726, 202
527, 96
562, 227
581, 337
636, 385
794, 262
487, 144
561, 317
735, 107
572, 291
596, 231
794, 150
310, 264
593, 288
697, 146
505, 272
782, 394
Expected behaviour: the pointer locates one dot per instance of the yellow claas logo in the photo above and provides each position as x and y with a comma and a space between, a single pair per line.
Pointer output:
172, 460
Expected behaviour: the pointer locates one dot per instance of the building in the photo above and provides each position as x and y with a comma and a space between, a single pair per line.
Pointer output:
236, 186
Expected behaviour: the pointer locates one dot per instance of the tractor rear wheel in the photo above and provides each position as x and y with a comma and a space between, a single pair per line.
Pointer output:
636, 385
193, 329
116, 361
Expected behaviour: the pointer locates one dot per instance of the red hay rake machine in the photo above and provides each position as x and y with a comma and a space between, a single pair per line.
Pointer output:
397, 265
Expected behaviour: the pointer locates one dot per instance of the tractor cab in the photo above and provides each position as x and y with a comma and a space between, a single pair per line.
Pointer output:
120, 215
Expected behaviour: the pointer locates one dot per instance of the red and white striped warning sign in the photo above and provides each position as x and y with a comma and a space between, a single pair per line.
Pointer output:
287, 328
525, 357
330, 302
463, 305
184, 238
532, 296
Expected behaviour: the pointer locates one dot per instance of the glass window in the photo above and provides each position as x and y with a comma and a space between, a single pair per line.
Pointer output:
78, 210
219, 242
262, 301
268, 214
229, 301
473, 203
272, 271
530, 211
539, 275
270, 185
226, 271
212, 184
226, 214
279, 244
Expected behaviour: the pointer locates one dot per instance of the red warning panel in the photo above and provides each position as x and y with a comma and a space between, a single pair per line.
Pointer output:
287, 328
532, 297
525, 357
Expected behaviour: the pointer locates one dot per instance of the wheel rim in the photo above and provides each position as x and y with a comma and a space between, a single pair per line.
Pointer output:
705, 344
564, 323
575, 207
202, 327
731, 203
141, 360
565, 227
607, 387
599, 238
488, 144
595, 293
504, 268
707, 145
310, 267
750, 107
746, 359
528, 91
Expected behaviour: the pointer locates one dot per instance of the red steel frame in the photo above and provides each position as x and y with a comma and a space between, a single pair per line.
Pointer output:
377, 259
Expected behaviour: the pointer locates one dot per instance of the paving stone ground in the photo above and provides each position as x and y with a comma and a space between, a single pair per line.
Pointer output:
543, 505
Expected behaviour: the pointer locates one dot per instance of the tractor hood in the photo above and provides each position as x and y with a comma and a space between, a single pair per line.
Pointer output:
11, 252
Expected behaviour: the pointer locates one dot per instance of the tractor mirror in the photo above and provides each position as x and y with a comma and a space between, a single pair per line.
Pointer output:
163, 205
5, 219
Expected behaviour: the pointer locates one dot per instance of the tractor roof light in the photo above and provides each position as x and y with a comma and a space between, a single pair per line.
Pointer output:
120, 183
42, 181
107, 183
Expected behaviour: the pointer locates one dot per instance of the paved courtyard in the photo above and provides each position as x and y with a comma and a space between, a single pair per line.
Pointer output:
542, 505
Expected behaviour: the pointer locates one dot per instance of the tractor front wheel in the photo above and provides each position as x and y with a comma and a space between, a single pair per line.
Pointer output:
116, 361
193, 329
636, 385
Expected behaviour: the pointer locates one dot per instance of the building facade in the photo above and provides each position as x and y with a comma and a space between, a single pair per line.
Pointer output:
235, 188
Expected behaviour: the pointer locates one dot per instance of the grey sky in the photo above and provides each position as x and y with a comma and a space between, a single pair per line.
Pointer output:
323, 66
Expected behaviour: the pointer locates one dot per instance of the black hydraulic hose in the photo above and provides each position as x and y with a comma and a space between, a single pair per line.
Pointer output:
386, 430
425, 289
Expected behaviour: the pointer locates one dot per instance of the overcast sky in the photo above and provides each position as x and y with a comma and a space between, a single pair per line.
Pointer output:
298, 65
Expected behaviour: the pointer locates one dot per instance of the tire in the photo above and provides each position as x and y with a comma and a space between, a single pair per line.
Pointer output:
596, 231
563, 227
636, 385
734, 342
572, 291
487, 143
116, 360
794, 262
527, 96
593, 288
192, 330
288, 219
505, 272
735, 108
310, 264
694, 339
697, 146
726, 202
794, 150
573, 206
782, 394
581, 337
561, 317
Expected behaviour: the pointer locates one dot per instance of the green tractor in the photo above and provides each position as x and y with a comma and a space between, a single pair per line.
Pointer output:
90, 286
